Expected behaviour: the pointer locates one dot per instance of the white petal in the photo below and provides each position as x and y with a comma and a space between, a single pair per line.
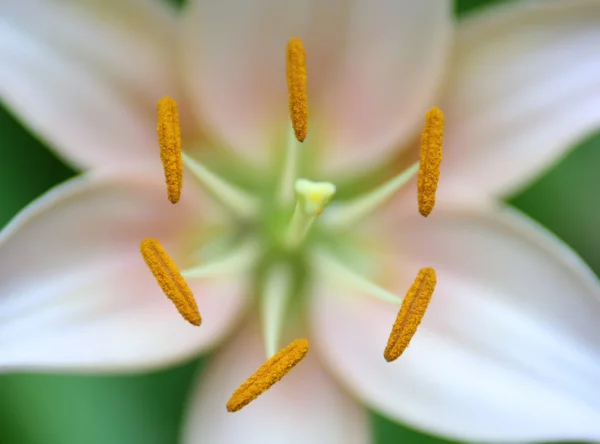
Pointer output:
388, 77
304, 407
86, 74
234, 59
372, 70
509, 349
76, 293
523, 90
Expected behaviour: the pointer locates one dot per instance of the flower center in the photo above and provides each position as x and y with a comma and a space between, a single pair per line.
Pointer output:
280, 241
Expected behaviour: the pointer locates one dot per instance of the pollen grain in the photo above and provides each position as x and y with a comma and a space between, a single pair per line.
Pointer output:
411, 313
169, 140
268, 374
296, 80
430, 160
170, 280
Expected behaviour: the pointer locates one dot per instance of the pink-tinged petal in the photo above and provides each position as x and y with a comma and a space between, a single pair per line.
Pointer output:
76, 293
523, 90
304, 407
388, 77
372, 71
235, 63
85, 75
509, 349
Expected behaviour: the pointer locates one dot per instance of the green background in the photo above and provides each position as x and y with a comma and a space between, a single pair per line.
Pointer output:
56, 409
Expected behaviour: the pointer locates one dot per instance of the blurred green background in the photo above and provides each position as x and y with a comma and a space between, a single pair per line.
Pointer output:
56, 409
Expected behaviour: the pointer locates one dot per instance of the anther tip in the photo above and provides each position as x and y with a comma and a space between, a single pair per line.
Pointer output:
389, 358
425, 211
195, 319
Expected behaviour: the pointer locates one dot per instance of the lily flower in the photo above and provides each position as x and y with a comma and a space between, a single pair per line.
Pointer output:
299, 239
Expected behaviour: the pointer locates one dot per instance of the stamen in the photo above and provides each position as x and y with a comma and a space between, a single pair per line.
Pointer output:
231, 197
353, 211
330, 267
170, 280
411, 313
296, 80
431, 158
288, 177
169, 140
236, 262
312, 197
276, 294
268, 374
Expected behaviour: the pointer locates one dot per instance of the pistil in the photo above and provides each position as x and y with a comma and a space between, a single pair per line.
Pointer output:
312, 198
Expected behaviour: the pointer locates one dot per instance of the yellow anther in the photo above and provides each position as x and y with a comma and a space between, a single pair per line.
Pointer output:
268, 374
169, 140
431, 158
411, 313
170, 280
296, 80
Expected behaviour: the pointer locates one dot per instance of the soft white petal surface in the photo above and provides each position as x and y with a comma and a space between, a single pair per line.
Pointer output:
524, 88
373, 67
86, 74
509, 350
304, 407
392, 65
76, 293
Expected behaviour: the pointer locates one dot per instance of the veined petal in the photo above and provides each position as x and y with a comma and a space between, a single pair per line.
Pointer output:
508, 349
86, 75
372, 70
523, 90
76, 293
304, 407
